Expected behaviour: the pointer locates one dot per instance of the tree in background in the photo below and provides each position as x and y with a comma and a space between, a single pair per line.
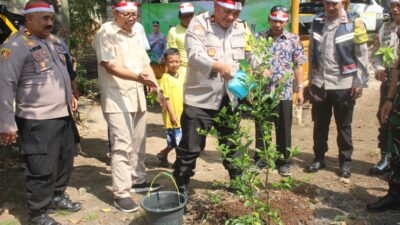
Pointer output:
85, 18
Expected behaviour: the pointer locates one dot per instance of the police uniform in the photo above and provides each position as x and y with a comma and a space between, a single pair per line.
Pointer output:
338, 62
35, 75
205, 92
387, 37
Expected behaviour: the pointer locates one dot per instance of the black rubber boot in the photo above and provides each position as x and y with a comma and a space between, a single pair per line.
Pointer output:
62, 201
382, 166
388, 202
233, 173
41, 218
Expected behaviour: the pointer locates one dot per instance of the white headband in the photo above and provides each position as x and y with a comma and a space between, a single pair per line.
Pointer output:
231, 5
125, 6
41, 7
186, 8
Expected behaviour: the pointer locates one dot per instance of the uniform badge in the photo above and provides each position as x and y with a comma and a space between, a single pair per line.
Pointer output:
42, 65
211, 52
27, 33
60, 49
5, 53
198, 29
25, 38
37, 55
349, 27
30, 43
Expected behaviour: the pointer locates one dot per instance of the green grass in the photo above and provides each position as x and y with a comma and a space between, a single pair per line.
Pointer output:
63, 213
9, 222
91, 217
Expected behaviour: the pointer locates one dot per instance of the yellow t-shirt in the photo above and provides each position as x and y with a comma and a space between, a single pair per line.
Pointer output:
173, 89
176, 39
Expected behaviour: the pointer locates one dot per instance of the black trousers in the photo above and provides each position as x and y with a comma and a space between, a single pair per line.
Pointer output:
189, 148
394, 175
283, 128
342, 104
48, 148
384, 127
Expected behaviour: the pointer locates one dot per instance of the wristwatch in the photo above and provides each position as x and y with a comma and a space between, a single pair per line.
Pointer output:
297, 88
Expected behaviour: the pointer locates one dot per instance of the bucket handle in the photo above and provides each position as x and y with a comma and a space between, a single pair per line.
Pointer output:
168, 175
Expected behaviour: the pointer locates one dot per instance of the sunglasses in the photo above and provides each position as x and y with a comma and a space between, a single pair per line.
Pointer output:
279, 8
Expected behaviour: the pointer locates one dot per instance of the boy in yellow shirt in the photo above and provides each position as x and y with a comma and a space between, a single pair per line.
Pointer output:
171, 83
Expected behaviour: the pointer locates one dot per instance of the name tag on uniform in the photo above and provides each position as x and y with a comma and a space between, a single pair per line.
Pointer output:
35, 48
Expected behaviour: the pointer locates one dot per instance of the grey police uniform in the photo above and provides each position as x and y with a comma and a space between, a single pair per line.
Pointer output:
207, 42
205, 91
35, 75
338, 63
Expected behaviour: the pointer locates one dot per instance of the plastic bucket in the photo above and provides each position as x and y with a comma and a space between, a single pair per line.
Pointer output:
164, 207
238, 85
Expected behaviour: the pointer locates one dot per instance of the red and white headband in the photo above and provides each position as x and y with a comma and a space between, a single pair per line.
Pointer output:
125, 6
230, 4
186, 8
39, 7
279, 15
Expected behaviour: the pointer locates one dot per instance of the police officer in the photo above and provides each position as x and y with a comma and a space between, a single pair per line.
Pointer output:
34, 72
338, 73
387, 37
215, 42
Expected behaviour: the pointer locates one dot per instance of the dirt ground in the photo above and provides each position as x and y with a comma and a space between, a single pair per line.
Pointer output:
329, 200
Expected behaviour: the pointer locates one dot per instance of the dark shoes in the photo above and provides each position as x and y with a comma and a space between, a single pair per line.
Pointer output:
261, 164
163, 160
62, 202
316, 165
345, 170
284, 170
126, 204
388, 202
144, 187
382, 166
183, 190
42, 219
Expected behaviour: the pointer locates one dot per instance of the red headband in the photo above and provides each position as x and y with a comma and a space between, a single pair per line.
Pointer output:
40, 7
279, 15
125, 6
230, 4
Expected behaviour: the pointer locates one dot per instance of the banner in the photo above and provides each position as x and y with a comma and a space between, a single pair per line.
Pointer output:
255, 12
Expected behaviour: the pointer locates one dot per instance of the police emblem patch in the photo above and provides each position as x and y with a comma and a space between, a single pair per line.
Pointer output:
211, 52
5, 53
198, 29
42, 65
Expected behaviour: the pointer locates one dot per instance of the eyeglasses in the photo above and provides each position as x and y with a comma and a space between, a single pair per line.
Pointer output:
127, 15
279, 8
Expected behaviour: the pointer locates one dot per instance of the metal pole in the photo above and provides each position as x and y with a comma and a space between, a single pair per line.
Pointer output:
294, 22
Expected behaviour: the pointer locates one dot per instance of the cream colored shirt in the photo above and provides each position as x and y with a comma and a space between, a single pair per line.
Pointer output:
114, 45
